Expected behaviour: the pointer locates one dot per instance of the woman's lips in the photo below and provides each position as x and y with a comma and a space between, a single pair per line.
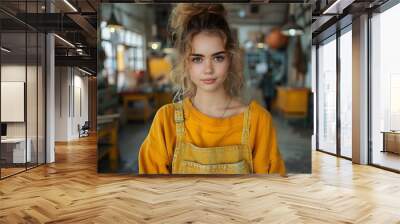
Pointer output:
208, 81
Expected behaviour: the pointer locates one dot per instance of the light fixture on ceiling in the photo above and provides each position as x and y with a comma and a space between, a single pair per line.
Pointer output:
338, 6
260, 45
70, 5
260, 35
84, 71
65, 41
155, 45
112, 22
5, 49
291, 28
79, 51
79, 44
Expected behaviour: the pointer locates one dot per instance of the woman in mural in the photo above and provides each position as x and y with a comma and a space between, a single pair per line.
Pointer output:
208, 129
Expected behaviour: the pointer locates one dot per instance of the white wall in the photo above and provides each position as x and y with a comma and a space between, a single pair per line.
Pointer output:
14, 73
33, 126
80, 93
71, 93
61, 103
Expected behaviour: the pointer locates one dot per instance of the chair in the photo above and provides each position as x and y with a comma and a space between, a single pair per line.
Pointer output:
84, 130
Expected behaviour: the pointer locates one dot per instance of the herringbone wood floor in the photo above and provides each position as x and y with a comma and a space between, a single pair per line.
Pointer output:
70, 191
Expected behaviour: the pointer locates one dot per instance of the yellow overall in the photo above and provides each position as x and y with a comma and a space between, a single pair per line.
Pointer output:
190, 159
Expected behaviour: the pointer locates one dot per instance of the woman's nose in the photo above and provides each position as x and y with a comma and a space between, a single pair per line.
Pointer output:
209, 67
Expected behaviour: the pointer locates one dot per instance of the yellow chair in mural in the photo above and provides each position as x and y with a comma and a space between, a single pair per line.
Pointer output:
159, 67
293, 102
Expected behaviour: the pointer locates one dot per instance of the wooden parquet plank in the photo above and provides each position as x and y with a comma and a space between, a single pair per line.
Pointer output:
70, 191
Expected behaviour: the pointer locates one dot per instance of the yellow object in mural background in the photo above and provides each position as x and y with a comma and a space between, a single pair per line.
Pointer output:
120, 58
159, 67
293, 101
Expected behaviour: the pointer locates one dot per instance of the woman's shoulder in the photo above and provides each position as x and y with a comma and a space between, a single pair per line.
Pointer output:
166, 110
259, 112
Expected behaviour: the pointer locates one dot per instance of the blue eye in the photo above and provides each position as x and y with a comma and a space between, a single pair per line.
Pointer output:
197, 60
219, 58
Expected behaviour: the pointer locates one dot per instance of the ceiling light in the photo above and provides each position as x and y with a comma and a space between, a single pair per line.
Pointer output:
79, 51
65, 41
78, 44
260, 45
113, 23
5, 50
331, 7
70, 5
155, 45
291, 28
84, 71
337, 7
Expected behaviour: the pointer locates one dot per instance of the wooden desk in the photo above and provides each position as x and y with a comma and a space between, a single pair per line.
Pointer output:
143, 110
13, 150
107, 139
391, 141
162, 98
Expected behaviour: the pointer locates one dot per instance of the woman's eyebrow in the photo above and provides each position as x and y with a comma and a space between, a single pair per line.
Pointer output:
200, 55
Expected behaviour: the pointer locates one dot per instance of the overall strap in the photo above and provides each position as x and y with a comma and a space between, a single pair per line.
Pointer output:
179, 122
246, 126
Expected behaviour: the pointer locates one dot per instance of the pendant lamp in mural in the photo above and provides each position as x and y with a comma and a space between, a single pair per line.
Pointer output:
275, 39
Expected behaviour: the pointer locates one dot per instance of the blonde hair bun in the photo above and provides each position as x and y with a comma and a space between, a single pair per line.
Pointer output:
183, 14
184, 11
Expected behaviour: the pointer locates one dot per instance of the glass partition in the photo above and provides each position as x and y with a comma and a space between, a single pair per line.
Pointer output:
22, 88
13, 109
346, 93
31, 98
41, 86
327, 96
385, 89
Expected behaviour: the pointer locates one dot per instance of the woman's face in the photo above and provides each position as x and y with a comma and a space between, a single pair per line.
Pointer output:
208, 62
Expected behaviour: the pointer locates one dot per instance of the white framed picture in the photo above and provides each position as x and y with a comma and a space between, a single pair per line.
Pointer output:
12, 101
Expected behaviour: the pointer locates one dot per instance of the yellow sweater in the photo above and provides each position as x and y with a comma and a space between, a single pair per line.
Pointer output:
203, 131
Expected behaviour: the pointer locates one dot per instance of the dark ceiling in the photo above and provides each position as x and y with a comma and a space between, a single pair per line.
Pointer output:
76, 21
